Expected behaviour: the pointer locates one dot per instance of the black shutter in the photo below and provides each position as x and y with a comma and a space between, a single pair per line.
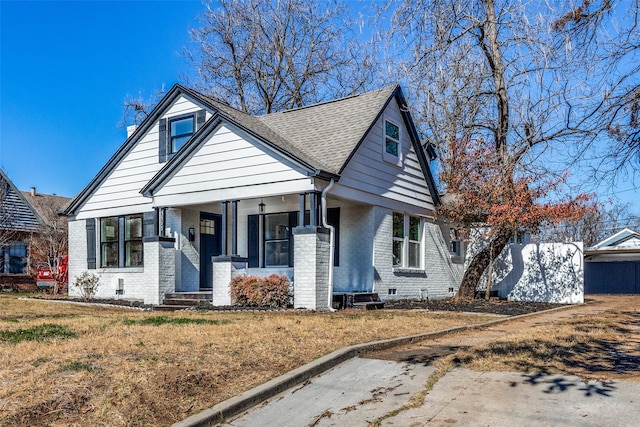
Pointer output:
150, 224
253, 237
162, 143
293, 222
91, 243
200, 117
333, 218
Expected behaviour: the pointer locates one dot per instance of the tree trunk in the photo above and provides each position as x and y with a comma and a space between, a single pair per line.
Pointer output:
479, 264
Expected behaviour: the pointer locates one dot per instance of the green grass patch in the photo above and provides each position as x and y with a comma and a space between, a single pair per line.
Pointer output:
37, 333
165, 320
78, 366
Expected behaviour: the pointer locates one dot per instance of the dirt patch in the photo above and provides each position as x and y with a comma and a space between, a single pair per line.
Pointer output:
492, 306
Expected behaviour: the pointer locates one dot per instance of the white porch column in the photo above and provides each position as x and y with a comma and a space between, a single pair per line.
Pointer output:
311, 268
225, 268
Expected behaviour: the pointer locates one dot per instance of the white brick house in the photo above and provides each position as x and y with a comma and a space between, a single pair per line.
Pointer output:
201, 191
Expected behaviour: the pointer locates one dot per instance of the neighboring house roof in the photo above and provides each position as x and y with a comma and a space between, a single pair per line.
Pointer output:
624, 239
46, 205
322, 138
16, 213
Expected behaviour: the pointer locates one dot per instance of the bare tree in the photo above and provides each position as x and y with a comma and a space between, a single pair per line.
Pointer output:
507, 75
137, 108
263, 56
593, 227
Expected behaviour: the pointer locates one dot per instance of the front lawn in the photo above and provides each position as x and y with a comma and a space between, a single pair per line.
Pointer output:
64, 364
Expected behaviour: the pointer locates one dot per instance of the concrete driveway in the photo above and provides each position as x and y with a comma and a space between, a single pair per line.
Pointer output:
462, 397
360, 390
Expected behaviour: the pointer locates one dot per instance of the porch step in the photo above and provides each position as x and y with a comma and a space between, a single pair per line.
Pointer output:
357, 300
205, 295
371, 305
180, 300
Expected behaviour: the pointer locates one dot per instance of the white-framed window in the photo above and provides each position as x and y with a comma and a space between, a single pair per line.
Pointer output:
391, 148
407, 241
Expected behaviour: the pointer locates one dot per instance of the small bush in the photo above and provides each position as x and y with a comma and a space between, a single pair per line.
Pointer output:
88, 284
252, 291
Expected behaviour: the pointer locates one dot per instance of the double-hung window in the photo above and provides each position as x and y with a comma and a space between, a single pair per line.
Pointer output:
391, 138
407, 246
109, 236
180, 131
121, 241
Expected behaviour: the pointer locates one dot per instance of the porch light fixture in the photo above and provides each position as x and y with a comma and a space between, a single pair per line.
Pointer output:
261, 207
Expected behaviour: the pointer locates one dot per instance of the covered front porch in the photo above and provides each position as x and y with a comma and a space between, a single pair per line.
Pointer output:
214, 242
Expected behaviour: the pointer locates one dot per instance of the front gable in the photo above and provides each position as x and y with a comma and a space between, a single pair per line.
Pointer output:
388, 167
116, 188
224, 162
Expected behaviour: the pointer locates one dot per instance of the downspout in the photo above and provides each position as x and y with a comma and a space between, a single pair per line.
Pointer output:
332, 243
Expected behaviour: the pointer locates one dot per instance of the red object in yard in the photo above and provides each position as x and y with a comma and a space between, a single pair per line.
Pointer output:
63, 274
44, 278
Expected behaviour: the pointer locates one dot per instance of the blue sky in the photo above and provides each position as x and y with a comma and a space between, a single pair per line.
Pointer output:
65, 70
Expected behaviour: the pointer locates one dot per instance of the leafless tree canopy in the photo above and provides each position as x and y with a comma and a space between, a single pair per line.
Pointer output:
536, 79
263, 56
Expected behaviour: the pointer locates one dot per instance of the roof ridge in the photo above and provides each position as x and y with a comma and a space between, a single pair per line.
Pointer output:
317, 104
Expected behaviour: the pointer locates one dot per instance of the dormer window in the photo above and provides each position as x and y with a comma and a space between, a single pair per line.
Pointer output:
180, 130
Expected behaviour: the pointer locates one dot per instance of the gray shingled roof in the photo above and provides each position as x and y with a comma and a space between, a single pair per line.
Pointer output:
16, 214
329, 132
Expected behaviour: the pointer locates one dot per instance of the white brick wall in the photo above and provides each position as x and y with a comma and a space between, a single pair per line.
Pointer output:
311, 271
355, 272
440, 277
146, 283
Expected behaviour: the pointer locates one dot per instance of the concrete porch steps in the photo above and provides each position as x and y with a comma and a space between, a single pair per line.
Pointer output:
180, 300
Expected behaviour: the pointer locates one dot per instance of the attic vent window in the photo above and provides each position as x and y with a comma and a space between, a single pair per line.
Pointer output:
181, 130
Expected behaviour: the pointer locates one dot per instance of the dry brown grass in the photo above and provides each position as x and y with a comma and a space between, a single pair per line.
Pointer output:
603, 346
117, 371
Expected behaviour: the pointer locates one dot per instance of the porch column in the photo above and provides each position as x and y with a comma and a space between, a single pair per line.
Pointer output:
225, 268
303, 200
311, 268
234, 227
223, 231
313, 209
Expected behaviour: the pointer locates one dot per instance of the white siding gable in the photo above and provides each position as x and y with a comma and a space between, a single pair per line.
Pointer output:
371, 178
119, 194
227, 165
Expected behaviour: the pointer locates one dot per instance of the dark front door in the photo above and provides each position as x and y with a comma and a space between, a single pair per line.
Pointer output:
210, 230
